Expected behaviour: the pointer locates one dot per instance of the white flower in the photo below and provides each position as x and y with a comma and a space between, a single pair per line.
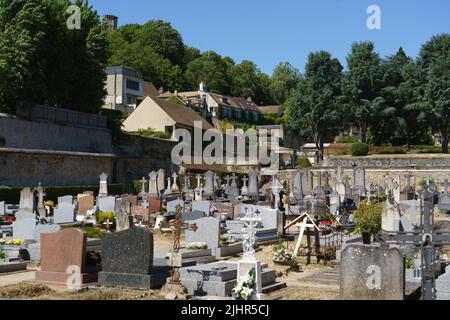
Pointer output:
247, 292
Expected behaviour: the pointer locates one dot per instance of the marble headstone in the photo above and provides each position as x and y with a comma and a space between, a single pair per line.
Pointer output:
202, 206
172, 205
106, 204
208, 231
64, 213
24, 229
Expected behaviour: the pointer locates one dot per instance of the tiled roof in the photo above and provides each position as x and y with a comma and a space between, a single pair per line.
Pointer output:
270, 109
150, 89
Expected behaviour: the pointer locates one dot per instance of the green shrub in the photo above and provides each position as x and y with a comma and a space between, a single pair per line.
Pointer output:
426, 149
154, 134
12, 194
368, 217
2, 255
92, 232
346, 139
138, 185
423, 182
302, 162
409, 263
360, 149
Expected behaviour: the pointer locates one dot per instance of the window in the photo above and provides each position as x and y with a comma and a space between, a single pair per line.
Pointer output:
132, 85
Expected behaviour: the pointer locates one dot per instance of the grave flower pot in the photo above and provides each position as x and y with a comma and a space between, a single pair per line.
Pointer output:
326, 222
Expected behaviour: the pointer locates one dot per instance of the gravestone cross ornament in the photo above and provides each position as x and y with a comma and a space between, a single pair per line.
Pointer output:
175, 188
103, 190
427, 238
244, 190
249, 232
143, 181
176, 260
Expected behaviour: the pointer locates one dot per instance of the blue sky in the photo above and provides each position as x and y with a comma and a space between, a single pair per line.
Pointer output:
268, 32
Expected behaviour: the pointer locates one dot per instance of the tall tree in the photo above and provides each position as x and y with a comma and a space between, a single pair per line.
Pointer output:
284, 78
212, 69
314, 109
362, 84
42, 61
434, 58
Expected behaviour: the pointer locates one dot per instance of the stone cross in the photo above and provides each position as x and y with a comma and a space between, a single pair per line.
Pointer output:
244, 190
218, 181
390, 185
175, 188
251, 220
227, 179
168, 190
143, 181
234, 180
199, 181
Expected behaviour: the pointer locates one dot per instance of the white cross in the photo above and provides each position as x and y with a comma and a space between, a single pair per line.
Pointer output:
302, 226
250, 219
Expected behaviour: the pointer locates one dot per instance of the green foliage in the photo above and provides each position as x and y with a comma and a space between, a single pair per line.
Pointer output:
2, 255
368, 217
346, 139
114, 121
314, 109
423, 182
102, 217
92, 232
409, 263
302, 162
12, 194
284, 79
154, 134
138, 185
176, 100
360, 149
426, 149
42, 61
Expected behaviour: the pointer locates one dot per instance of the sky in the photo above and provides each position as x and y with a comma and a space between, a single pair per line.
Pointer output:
268, 32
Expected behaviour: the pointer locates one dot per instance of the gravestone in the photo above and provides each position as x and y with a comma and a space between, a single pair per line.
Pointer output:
202, 206
35, 248
443, 285
127, 260
175, 188
371, 272
122, 215
140, 211
160, 180
64, 261
106, 204
2, 208
65, 199
64, 213
27, 200
410, 214
22, 215
208, 231
154, 203
172, 205
85, 203
132, 199
153, 188
24, 229
297, 189
189, 216
40, 202
253, 185
103, 189
209, 184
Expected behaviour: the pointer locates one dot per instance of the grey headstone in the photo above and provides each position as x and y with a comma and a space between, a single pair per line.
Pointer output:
2, 208
208, 231
123, 215
172, 205
370, 272
64, 213
106, 204
203, 206
443, 285
45, 228
22, 215
190, 216
65, 199
24, 229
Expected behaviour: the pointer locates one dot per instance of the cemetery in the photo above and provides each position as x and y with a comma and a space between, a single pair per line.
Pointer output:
243, 237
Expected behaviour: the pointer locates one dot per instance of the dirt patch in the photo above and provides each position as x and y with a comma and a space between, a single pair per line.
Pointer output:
24, 291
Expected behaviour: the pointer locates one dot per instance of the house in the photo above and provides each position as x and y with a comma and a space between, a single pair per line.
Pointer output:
125, 89
160, 115
215, 106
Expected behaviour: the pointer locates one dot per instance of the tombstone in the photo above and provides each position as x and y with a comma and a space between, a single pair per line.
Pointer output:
172, 205
2, 208
24, 229
21, 215
64, 213
297, 189
443, 285
127, 260
160, 181
154, 203
34, 249
132, 199
410, 214
64, 259
244, 189
408, 192
202, 206
190, 216
26, 200
85, 203
140, 211
370, 272
253, 185
208, 231
143, 184
122, 215
103, 189
152, 184
65, 199
106, 204
335, 202
209, 184
444, 199
359, 181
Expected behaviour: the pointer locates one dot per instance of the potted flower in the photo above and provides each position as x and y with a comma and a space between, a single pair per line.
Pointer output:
326, 218
245, 289
282, 256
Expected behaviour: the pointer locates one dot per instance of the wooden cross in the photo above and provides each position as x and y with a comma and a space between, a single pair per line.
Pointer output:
176, 261
305, 217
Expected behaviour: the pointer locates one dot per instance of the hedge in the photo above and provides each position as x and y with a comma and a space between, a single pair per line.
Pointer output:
302, 162
12, 194
360, 149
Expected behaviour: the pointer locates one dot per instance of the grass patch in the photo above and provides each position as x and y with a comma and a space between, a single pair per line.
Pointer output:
24, 291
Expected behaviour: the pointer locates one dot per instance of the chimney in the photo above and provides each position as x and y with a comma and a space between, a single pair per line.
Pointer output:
249, 99
176, 93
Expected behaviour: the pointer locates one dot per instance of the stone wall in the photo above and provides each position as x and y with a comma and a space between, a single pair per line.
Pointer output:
43, 135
